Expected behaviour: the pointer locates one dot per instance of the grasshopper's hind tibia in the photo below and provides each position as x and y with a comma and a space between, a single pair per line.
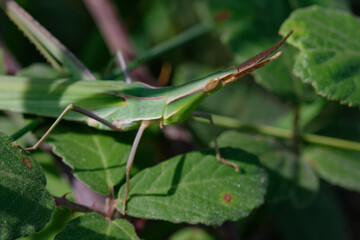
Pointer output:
70, 107
143, 126
218, 155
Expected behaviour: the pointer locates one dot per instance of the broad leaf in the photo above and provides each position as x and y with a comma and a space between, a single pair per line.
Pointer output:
197, 188
329, 58
339, 167
97, 158
25, 205
289, 176
95, 227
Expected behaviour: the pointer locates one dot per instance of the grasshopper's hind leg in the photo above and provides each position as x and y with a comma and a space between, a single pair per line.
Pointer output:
70, 107
218, 155
143, 126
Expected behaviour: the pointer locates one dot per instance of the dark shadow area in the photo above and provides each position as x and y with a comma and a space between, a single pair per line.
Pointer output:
18, 211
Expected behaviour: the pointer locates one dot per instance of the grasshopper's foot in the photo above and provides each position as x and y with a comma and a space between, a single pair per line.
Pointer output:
226, 162
18, 146
22, 149
123, 212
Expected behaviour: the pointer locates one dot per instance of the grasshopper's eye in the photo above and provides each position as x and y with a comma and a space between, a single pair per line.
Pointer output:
212, 84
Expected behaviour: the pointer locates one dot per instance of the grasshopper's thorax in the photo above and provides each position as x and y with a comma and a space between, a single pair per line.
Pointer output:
184, 99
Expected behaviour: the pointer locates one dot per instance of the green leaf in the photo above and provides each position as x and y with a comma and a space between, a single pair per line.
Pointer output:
39, 70
329, 58
97, 158
55, 183
306, 185
25, 205
323, 219
197, 188
339, 167
96, 227
289, 177
59, 218
252, 26
191, 233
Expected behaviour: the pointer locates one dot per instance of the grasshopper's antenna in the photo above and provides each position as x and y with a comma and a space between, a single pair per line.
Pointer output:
121, 61
250, 63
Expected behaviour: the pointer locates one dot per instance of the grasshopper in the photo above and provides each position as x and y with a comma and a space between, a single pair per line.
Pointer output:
109, 105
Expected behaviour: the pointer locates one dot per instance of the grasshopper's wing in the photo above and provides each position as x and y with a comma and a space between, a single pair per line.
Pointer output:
55, 52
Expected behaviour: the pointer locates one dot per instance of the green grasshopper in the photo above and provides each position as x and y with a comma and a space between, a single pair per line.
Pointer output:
109, 105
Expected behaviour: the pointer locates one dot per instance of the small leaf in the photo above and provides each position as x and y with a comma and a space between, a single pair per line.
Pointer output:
96, 227
191, 233
197, 188
39, 70
97, 158
329, 58
339, 167
25, 205
55, 183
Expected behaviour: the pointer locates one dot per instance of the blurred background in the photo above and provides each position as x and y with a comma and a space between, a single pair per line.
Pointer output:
172, 42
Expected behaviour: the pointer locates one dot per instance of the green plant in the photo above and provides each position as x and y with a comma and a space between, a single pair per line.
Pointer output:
291, 140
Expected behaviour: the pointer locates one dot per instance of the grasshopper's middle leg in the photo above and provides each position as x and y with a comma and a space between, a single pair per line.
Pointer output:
143, 126
70, 107
218, 155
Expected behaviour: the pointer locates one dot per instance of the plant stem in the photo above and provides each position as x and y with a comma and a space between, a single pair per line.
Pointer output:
166, 46
63, 201
32, 125
232, 123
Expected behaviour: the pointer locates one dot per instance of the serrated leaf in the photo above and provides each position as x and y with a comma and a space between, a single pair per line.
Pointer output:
93, 226
197, 188
329, 58
339, 167
25, 205
288, 176
97, 158
252, 26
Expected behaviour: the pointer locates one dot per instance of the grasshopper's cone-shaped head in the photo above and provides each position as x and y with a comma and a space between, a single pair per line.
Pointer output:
247, 67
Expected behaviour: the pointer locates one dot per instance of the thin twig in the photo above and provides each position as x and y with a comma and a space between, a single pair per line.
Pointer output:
64, 202
116, 35
179, 40
232, 123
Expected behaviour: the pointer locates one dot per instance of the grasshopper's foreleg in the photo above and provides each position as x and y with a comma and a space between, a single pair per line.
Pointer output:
122, 63
143, 126
218, 155
70, 107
